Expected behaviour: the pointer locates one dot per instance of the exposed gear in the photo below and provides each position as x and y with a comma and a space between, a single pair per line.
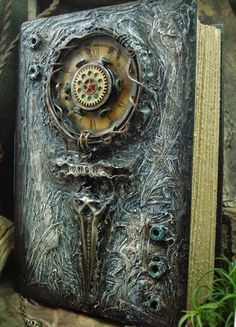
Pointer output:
91, 86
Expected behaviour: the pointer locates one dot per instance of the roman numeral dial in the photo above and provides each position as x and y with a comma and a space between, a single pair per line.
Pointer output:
95, 87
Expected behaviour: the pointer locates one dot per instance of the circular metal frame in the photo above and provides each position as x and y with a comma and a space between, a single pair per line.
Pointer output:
85, 139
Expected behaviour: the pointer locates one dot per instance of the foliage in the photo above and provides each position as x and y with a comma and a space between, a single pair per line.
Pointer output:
219, 305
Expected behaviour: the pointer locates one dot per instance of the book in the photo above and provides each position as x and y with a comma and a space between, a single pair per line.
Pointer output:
104, 179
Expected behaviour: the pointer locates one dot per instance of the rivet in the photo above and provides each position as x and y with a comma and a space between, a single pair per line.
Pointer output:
34, 71
35, 41
157, 233
156, 268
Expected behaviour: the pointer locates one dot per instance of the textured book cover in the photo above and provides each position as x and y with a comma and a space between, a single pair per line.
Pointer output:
104, 151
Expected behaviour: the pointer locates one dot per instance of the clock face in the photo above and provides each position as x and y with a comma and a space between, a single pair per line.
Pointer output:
94, 87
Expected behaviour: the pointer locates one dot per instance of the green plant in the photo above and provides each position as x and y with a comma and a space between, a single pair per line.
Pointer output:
219, 305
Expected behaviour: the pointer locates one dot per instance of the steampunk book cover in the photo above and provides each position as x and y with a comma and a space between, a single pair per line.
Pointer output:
104, 151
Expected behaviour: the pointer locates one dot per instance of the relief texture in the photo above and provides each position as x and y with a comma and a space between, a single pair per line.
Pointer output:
107, 232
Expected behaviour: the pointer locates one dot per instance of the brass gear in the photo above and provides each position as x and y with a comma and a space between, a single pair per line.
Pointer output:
90, 85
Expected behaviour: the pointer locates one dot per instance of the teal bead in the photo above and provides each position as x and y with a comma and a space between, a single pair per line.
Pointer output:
157, 233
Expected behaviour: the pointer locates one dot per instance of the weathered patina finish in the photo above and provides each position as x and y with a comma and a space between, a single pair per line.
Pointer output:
106, 232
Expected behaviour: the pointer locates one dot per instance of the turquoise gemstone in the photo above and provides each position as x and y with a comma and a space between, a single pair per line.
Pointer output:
157, 233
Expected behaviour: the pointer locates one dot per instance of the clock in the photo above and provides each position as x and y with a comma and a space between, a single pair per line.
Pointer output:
94, 87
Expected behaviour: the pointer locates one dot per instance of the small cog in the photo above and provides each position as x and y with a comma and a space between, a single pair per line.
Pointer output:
90, 85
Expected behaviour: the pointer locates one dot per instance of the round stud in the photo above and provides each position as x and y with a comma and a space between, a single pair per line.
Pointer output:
156, 268
35, 41
157, 233
34, 71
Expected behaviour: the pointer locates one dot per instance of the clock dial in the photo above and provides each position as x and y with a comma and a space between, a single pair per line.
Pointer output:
94, 87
